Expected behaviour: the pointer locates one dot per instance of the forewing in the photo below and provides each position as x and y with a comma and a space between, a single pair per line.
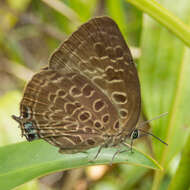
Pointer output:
98, 51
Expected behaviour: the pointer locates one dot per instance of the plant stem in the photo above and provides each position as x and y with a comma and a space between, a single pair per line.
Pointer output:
164, 17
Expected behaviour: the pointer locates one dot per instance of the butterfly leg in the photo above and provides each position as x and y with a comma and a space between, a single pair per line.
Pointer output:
99, 150
120, 151
115, 154
129, 146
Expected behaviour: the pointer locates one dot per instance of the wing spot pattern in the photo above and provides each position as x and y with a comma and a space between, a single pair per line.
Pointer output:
98, 105
75, 92
123, 113
105, 118
87, 90
84, 116
119, 97
116, 125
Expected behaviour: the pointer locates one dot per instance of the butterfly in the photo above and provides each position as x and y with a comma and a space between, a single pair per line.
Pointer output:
88, 95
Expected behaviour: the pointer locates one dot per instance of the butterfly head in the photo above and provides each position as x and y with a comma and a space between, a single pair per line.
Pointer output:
140, 132
137, 133
28, 128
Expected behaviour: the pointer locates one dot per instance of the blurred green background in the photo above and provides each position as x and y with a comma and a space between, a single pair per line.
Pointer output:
30, 30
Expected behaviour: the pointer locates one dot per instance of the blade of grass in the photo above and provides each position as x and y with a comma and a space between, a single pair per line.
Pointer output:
181, 178
179, 102
164, 71
116, 11
64, 10
166, 18
24, 161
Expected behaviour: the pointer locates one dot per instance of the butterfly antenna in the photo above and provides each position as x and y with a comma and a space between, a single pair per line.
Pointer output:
157, 117
148, 133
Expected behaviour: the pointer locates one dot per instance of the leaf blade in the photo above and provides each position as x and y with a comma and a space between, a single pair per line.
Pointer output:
38, 158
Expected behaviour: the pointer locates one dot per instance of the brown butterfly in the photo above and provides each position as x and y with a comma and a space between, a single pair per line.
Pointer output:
88, 95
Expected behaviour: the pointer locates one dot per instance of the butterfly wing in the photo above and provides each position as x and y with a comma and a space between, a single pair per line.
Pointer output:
98, 51
67, 110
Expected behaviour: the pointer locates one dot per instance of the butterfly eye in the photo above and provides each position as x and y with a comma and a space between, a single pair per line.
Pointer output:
135, 134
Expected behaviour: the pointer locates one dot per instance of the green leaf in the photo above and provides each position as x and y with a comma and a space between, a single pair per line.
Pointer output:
25, 161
